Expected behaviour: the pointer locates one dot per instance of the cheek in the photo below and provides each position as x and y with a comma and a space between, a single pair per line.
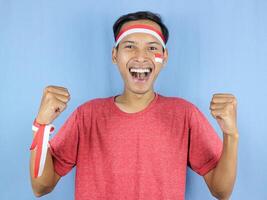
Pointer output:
157, 68
121, 63
123, 58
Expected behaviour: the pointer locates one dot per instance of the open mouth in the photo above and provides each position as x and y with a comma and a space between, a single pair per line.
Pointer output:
140, 74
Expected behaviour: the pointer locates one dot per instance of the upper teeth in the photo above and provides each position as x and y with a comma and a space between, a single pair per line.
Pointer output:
139, 70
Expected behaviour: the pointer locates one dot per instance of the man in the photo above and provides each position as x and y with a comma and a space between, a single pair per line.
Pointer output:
138, 145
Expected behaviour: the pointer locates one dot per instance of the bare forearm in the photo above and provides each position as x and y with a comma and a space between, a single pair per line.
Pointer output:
224, 175
45, 183
54, 102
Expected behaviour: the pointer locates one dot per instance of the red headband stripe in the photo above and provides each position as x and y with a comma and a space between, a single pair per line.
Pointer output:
141, 26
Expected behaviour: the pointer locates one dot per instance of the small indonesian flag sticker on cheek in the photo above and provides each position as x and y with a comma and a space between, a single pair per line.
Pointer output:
158, 58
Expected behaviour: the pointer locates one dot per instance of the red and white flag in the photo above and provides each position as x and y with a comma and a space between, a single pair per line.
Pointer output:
158, 58
40, 143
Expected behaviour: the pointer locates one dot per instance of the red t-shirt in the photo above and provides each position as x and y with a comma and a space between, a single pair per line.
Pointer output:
135, 156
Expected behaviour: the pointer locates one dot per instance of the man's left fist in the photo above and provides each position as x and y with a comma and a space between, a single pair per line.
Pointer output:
223, 109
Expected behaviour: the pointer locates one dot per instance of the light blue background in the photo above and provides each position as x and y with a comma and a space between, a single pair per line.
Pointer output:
215, 46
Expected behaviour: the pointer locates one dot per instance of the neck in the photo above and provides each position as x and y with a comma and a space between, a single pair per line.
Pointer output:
134, 100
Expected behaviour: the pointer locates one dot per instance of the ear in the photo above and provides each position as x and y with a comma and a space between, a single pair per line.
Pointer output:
114, 55
165, 57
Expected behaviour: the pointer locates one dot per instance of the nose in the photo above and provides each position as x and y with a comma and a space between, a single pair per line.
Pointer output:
141, 56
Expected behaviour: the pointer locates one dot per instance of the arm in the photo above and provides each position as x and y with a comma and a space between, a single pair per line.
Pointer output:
54, 101
221, 179
45, 183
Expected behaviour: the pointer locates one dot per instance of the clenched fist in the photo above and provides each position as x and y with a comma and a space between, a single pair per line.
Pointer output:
54, 101
223, 108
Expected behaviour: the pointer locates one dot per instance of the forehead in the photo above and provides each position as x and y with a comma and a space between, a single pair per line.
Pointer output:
140, 36
142, 21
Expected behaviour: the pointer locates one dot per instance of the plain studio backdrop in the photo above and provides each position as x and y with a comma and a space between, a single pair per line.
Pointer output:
214, 46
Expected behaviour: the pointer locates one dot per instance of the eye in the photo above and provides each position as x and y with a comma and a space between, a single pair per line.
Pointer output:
129, 46
153, 48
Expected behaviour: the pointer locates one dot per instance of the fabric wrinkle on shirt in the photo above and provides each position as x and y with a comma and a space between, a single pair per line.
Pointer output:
135, 156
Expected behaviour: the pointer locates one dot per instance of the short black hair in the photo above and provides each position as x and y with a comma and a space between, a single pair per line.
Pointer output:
139, 16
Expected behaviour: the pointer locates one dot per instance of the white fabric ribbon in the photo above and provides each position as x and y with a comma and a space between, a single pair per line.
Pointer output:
40, 143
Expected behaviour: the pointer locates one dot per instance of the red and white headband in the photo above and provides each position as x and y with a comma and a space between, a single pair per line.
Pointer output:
140, 28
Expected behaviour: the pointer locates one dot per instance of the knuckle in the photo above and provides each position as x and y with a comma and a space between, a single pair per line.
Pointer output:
47, 88
49, 95
63, 104
65, 100
230, 105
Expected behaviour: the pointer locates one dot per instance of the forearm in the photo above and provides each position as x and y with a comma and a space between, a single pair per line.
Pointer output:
45, 183
224, 175
54, 102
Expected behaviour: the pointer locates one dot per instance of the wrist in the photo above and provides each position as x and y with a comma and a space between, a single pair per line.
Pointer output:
231, 137
231, 133
37, 125
41, 121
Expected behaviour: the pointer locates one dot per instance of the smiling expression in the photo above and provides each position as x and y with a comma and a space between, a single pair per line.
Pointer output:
135, 58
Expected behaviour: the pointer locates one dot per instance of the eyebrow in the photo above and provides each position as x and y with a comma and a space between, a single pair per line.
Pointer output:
154, 43
128, 41
132, 42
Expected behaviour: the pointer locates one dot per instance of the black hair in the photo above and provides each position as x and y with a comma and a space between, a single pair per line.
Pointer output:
139, 16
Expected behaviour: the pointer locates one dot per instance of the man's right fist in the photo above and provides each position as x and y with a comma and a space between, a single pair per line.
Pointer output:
54, 101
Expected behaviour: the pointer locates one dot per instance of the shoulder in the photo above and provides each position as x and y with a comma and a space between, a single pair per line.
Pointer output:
176, 102
94, 104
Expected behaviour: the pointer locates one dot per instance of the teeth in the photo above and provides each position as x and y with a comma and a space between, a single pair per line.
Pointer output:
139, 70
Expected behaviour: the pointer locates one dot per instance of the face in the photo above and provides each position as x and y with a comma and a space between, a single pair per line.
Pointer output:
135, 58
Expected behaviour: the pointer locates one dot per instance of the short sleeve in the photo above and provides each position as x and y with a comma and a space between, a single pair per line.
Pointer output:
64, 145
205, 146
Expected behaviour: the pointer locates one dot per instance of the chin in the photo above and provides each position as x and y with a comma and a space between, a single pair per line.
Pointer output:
140, 90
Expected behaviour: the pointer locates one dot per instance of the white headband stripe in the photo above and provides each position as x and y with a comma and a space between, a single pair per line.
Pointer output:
140, 30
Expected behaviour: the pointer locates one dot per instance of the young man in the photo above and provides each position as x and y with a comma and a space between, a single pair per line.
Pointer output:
137, 145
